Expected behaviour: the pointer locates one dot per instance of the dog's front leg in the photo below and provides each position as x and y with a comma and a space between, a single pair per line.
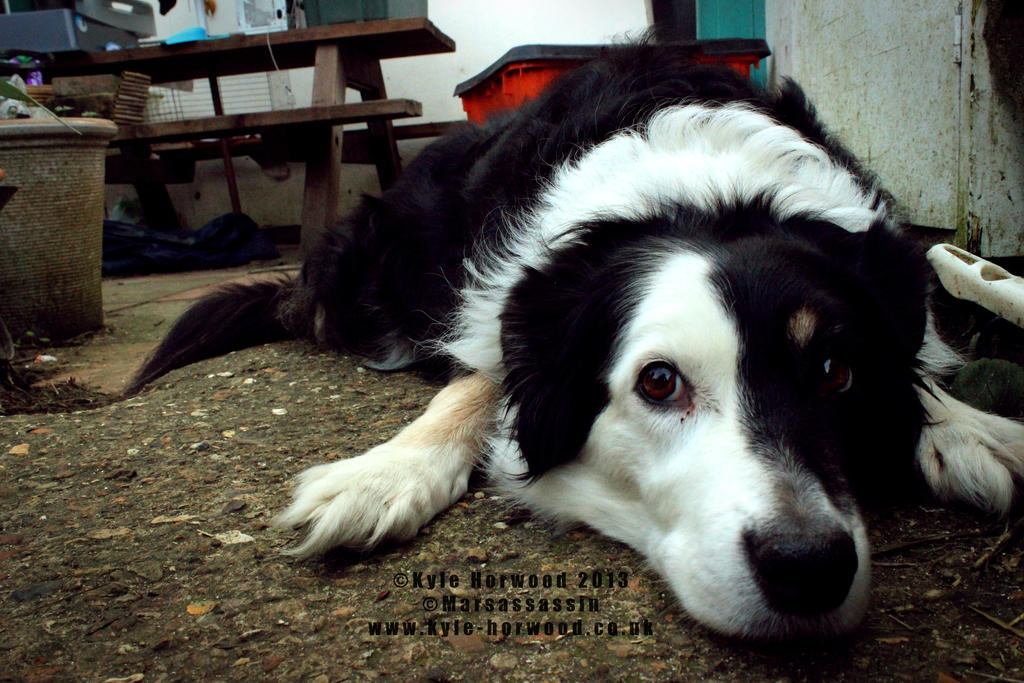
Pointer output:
968, 455
394, 489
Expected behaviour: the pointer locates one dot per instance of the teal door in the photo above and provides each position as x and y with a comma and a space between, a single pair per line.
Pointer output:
733, 19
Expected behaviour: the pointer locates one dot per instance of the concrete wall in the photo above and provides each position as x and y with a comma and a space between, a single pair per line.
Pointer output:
908, 87
482, 31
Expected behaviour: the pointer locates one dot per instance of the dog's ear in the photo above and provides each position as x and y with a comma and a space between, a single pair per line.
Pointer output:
558, 329
890, 268
898, 275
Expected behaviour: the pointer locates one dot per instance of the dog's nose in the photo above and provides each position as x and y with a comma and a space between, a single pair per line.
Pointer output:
803, 572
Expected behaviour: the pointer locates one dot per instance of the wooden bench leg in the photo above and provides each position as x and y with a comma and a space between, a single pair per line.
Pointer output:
382, 143
157, 208
225, 151
323, 169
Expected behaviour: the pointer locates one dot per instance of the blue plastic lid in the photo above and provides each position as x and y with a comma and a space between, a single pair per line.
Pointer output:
190, 35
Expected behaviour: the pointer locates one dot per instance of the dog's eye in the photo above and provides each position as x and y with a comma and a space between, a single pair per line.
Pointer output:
660, 383
836, 376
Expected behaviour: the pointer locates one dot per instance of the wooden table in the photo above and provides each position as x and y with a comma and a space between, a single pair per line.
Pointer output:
342, 56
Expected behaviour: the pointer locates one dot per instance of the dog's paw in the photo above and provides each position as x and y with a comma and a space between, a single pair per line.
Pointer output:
970, 456
388, 493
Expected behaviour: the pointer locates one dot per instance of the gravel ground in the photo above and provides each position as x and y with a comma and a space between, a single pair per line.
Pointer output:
135, 545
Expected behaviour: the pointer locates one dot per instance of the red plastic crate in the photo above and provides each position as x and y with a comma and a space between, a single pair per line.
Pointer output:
513, 85
739, 63
523, 72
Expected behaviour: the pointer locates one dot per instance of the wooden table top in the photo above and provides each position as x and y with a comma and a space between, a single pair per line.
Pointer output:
240, 54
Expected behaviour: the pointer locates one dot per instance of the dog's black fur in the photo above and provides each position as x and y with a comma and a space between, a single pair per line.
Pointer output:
752, 468
392, 268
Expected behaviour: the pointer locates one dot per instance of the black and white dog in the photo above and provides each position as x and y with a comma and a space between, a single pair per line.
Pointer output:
674, 309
